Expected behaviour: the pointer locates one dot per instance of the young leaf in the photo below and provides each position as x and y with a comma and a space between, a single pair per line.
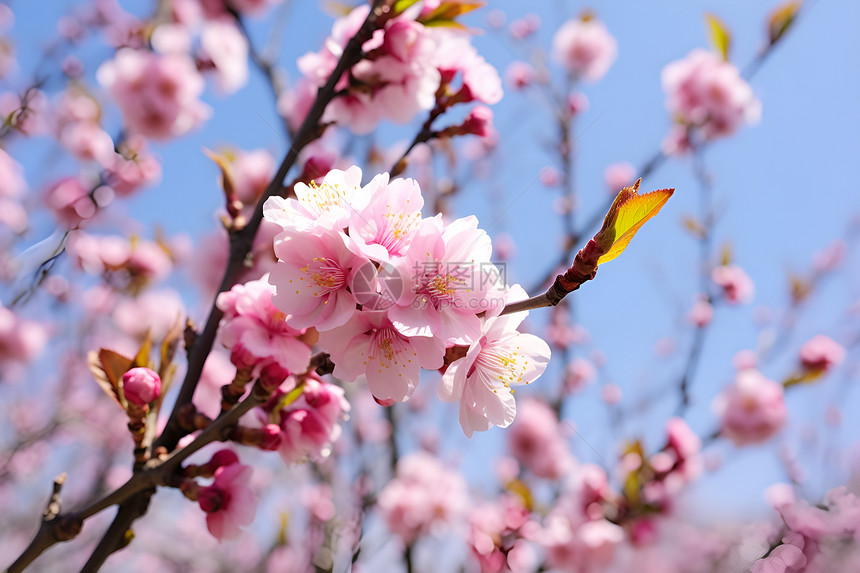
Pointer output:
781, 19
400, 6
718, 35
627, 214
445, 13
107, 368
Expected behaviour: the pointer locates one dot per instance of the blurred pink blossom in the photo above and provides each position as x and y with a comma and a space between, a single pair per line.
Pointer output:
821, 353
424, 498
707, 92
745, 359
69, 200
523, 27
519, 75
619, 175
310, 425
578, 374
585, 48
577, 103
537, 442
257, 332
229, 502
701, 313
752, 409
736, 284
157, 94
20, 340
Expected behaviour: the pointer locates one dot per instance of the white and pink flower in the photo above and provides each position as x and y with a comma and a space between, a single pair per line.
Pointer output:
585, 48
229, 502
752, 409
256, 332
313, 275
371, 346
157, 94
495, 364
705, 92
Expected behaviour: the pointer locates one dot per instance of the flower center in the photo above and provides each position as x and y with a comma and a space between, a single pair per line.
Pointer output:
386, 343
326, 274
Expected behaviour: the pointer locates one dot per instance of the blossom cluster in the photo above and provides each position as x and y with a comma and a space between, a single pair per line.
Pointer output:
406, 68
706, 93
391, 292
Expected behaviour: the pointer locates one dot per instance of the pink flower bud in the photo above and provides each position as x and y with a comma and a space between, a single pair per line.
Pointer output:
821, 354
479, 121
223, 457
577, 103
273, 375
141, 386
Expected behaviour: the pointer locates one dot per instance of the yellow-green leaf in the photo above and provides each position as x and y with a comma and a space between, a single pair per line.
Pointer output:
447, 11
781, 19
400, 6
718, 35
628, 213
223, 162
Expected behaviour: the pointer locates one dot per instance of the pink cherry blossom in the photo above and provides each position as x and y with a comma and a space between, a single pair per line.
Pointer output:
313, 276
27, 113
450, 281
495, 530
310, 425
157, 94
536, 440
252, 7
328, 205
87, 141
618, 175
141, 386
69, 200
736, 284
829, 258
701, 313
455, 54
155, 311
707, 92
20, 340
424, 497
821, 353
251, 172
397, 82
577, 103
12, 181
479, 121
384, 228
745, 359
133, 167
519, 75
578, 374
229, 502
226, 47
483, 381
370, 345
585, 48
257, 332
752, 409
524, 27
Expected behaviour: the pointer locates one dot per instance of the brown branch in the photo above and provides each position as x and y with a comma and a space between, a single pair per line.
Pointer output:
583, 269
242, 241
